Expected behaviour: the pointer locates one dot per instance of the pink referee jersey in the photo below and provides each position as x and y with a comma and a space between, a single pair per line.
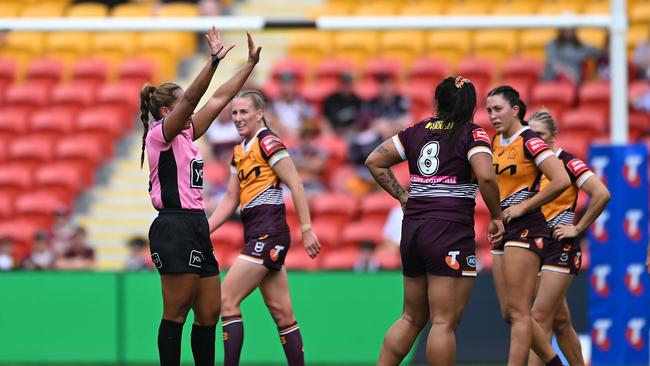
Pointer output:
175, 169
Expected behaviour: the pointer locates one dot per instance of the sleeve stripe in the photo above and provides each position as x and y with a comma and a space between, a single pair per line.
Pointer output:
478, 149
543, 157
277, 157
583, 178
399, 147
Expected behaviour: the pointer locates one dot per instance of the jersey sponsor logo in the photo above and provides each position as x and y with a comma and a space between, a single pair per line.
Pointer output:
271, 144
499, 169
243, 176
275, 252
599, 279
535, 145
633, 278
196, 259
539, 242
471, 261
577, 167
479, 134
600, 333
196, 173
631, 224
634, 334
155, 258
451, 261
631, 170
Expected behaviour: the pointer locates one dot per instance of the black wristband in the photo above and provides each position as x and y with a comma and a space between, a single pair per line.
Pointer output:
215, 60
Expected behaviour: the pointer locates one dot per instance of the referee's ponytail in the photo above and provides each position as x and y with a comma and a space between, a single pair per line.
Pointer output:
151, 100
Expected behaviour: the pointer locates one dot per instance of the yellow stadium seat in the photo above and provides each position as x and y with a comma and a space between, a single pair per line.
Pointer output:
376, 8
10, 9
592, 36
496, 44
469, 8
599, 7
560, 7
515, 8
162, 47
22, 47
532, 42
86, 10
640, 13
449, 45
404, 46
45, 9
423, 8
356, 46
132, 10
310, 45
635, 35
113, 47
179, 9
331, 10
68, 47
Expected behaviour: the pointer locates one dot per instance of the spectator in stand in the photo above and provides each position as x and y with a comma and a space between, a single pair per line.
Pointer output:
42, 256
310, 159
79, 256
341, 109
222, 136
7, 260
289, 110
62, 231
566, 56
138, 257
389, 110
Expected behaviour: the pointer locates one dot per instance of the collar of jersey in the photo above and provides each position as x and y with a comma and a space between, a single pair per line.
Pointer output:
247, 146
506, 141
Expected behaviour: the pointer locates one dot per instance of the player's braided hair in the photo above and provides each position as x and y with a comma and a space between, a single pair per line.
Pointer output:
151, 100
512, 97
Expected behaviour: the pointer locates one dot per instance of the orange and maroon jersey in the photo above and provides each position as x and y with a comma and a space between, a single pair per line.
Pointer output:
562, 209
260, 194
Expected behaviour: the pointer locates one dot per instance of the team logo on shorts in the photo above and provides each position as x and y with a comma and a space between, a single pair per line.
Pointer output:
196, 259
539, 242
471, 261
451, 261
259, 247
564, 257
524, 234
275, 252
155, 258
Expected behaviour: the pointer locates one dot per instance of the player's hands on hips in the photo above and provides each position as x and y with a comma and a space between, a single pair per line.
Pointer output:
513, 212
495, 231
565, 232
253, 52
216, 45
310, 241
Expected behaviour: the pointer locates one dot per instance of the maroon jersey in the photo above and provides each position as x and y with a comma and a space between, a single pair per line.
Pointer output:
442, 182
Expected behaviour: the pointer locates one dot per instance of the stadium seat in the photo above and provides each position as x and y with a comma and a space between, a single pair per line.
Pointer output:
637, 88
356, 46
404, 46
366, 89
133, 10
311, 46
121, 96
217, 173
20, 230
639, 124
179, 9
468, 8
338, 207
8, 71
636, 34
297, 259
516, 8
329, 70
86, 10
342, 259
291, 214
91, 71
593, 36
528, 69
113, 47
296, 67
575, 143
328, 230
532, 42
68, 46
15, 177
423, 8
137, 71
481, 72
230, 234
44, 9
366, 231
639, 13
11, 9
22, 47
482, 119
74, 95
521, 85
45, 71
596, 7
495, 44
28, 95
480, 230
376, 206
402, 174
557, 96
38, 207
52, 121
585, 120
428, 72
13, 122
375, 8
31, 149
382, 66
65, 180
560, 7
387, 258
595, 95
78, 149
421, 97
449, 45
331, 9
6, 202
4, 141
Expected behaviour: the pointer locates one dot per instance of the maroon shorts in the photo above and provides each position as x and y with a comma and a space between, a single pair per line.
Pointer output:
437, 247
563, 257
528, 232
268, 250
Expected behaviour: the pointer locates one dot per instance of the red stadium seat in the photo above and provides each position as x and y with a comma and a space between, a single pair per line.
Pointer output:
13, 122
38, 207
480, 230
297, 258
137, 70
575, 143
20, 230
79, 149
230, 234
329, 70
299, 68
382, 66
52, 121
91, 71
6, 205
328, 231
46, 71
315, 93
68, 179
28, 95
388, 258
337, 150
639, 124
31, 149
421, 97
342, 259
482, 119
125, 97
105, 121
595, 95
522, 68
15, 177
365, 231
428, 72
557, 96
521, 85
480, 72
366, 89
585, 120
637, 88
402, 174
77, 94
216, 173
8, 71
337, 207
292, 216
376, 206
